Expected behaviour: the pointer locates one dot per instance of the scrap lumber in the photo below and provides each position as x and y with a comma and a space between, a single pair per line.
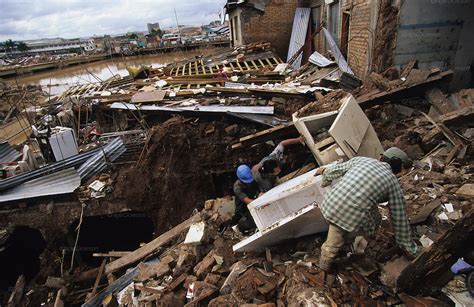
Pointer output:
458, 117
423, 274
278, 132
143, 251
115, 286
115, 254
99, 277
376, 97
17, 291
439, 101
425, 212
407, 69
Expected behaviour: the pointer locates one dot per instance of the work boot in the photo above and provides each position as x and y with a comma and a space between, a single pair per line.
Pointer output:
325, 265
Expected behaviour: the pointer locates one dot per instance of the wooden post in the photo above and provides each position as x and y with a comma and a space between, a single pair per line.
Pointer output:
17, 292
423, 274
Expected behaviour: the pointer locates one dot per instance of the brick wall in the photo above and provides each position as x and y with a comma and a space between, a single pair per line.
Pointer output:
274, 25
359, 51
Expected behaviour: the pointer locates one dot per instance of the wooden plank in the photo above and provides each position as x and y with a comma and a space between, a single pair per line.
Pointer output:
17, 131
254, 65
306, 168
247, 65
261, 62
376, 97
189, 69
17, 292
439, 101
99, 277
116, 254
458, 117
196, 67
148, 289
407, 69
268, 61
281, 131
425, 212
145, 250
203, 67
240, 67
423, 274
146, 97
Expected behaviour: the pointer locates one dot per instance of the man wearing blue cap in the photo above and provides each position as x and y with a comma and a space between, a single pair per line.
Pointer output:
245, 191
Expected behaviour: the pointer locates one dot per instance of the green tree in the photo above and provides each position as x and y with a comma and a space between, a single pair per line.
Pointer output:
9, 45
132, 36
23, 47
156, 32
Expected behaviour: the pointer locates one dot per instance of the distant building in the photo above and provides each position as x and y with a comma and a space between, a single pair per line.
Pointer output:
59, 45
254, 21
153, 26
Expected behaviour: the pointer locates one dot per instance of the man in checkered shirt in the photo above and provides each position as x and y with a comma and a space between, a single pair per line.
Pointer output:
351, 206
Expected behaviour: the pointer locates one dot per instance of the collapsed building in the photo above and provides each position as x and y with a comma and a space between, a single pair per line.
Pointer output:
118, 192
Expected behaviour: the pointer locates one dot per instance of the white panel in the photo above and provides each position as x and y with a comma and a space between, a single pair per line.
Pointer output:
306, 221
63, 143
286, 198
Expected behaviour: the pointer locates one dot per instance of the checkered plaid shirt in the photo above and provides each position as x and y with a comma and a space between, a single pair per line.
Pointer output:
352, 203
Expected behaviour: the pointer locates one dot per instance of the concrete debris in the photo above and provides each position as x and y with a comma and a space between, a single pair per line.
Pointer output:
154, 147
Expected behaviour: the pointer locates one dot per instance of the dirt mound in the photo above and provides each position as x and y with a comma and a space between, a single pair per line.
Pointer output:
185, 163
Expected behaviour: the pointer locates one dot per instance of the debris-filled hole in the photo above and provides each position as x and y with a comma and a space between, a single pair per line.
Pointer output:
122, 231
20, 248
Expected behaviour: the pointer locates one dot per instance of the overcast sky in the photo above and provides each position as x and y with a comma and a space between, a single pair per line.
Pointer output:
33, 19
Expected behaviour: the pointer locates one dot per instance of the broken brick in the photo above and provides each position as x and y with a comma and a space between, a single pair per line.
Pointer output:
205, 266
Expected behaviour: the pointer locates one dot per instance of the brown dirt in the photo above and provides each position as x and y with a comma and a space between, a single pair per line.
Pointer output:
178, 172
385, 37
330, 102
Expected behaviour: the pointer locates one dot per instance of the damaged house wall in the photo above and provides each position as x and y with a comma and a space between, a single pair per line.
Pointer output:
272, 24
437, 34
352, 23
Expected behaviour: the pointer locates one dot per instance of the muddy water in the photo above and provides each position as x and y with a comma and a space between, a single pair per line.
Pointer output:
57, 81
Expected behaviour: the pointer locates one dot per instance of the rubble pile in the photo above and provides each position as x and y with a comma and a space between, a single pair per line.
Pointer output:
167, 141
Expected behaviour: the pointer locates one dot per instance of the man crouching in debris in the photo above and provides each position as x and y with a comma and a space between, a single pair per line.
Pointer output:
266, 171
351, 206
245, 191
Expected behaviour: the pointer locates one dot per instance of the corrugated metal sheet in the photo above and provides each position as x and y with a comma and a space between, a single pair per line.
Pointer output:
196, 108
7, 153
98, 162
46, 170
340, 60
318, 59
298, 34
62, 182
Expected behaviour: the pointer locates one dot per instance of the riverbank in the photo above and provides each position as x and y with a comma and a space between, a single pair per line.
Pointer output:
58, 80
15, 71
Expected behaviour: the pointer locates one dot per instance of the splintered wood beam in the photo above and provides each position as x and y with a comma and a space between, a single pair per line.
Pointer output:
376, 97
278, 132
423, 274
439, 101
